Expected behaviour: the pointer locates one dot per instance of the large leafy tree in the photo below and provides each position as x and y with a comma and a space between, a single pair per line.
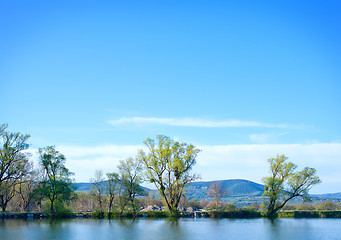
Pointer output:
56, 184
285, 183
168, 164
14, 163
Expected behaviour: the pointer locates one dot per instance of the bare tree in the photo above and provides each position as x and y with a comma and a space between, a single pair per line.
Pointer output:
26, 190
83, 202
98, 189
216, 191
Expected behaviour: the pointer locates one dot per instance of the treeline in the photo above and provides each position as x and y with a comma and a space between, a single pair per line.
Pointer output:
167, 164
50, 187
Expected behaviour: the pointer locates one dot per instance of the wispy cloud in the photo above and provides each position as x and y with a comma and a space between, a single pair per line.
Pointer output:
265, 137
259, 138
194, 122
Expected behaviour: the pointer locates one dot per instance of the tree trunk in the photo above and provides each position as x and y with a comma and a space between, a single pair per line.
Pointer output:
51, 207
110, 204
3, 204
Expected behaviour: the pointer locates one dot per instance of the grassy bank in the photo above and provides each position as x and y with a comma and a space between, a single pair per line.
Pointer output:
310, 214
240, 213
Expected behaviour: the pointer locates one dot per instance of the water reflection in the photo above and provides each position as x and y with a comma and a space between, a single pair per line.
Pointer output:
170, 229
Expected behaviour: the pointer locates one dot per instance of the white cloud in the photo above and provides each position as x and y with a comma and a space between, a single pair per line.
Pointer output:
259, 138
249, 161
105, 150
194, 122
84, 161
219, 161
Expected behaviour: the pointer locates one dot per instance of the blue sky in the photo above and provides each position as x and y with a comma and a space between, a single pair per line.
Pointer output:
242, 80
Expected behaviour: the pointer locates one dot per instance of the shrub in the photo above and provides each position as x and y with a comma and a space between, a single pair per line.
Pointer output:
60, 211
327, 205
156, 214
231, 207
239, 213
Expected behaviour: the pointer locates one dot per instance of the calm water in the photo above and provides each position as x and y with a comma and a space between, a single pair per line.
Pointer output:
187, 229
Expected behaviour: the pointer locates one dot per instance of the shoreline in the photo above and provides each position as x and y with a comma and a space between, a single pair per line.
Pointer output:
238, 214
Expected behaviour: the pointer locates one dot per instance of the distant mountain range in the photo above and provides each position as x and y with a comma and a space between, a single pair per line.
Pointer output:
328, 195
233, 188
239, 191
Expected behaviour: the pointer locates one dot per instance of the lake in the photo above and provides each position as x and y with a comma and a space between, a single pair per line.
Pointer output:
186, 229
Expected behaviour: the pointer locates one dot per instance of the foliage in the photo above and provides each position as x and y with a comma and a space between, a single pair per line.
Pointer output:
231, 207
168, 165
304, 206
7, 190
111, 189
238, 213
193, 203
150, 200
60, 209
56, 185
14, 162
285, 184
130, 179
156, 214
327, 205
121, 201
299, 214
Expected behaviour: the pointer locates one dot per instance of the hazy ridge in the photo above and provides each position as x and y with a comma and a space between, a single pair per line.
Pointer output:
239, 191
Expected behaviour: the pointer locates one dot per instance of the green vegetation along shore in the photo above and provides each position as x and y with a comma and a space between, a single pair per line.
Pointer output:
167, 164
240, 213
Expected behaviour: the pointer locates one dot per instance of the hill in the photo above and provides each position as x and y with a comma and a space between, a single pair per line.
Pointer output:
86, 187
328, 196
198, 190
234, 188
239, 191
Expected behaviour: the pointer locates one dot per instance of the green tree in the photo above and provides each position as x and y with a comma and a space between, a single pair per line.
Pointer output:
327, 205
130, 179
14, 163
7, 190
112, 189
56, 184
122, 200
285, 184
231, 207
168, 165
